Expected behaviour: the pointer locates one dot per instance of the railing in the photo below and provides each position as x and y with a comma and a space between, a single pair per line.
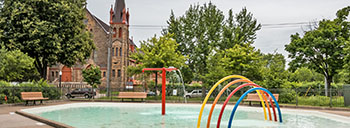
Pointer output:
287, 97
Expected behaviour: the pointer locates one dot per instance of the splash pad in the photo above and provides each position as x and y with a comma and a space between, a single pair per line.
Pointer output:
262, 93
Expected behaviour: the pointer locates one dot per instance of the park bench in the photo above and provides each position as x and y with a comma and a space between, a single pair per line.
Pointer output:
32, 96
255, 98
132, 95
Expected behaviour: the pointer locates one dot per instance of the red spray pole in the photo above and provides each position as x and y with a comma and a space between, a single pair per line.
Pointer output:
163, 82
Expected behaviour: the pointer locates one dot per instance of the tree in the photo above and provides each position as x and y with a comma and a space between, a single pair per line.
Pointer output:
157, 53
49, 31
273, 70
239, 29
198, 32
203, 31
16, 66
343, 14
304, 74
321, 49
92, 75
243, 60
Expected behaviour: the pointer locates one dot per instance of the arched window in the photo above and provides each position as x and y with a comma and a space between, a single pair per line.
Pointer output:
113, 73
120, 32
120, 52
114, 32
113, 51
116, 51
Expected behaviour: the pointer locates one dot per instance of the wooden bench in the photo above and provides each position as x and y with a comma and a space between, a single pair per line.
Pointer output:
255, 98
132, 95
32, 96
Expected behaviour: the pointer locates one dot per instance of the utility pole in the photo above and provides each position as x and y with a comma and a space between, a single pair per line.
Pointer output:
60, 73
109, 61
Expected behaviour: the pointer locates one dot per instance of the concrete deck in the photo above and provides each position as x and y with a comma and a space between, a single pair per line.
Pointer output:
9, 119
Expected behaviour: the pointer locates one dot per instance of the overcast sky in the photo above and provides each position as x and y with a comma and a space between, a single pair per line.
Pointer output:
270, 13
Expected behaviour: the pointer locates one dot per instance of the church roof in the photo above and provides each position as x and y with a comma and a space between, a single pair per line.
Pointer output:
102, 24
132, 42
118, 10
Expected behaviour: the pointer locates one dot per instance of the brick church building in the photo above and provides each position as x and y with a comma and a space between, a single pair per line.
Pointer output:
121, 47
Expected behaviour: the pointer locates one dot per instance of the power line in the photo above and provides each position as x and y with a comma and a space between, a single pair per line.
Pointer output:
276, 25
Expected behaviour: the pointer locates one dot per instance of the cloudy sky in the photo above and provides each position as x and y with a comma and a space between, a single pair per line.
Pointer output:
280, 18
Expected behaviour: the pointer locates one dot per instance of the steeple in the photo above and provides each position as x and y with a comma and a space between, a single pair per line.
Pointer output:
119, 6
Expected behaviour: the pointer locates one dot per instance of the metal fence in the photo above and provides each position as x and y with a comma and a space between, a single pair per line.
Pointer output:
291, 97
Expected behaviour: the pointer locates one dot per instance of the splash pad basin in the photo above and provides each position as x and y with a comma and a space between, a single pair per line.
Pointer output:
131, 115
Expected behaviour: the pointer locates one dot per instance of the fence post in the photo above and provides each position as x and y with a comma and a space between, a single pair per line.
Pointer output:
110, 93
296, 97
13, 94
330, 99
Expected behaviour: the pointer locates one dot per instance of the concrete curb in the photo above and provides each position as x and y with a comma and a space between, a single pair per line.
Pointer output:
43, 120
220, 102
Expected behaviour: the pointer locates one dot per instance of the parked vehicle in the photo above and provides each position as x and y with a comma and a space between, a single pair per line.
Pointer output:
151, 93
194, 93
81, 92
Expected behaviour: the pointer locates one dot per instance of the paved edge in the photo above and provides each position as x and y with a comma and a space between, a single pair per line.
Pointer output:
43, 120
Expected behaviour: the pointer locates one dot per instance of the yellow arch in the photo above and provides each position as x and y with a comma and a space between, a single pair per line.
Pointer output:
211, 91
223, 90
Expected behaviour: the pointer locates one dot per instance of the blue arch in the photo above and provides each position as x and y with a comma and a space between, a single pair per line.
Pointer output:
241, 98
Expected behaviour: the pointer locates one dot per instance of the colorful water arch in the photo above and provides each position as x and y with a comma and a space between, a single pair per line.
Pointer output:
241, 98
262, 98
260, 91
233, 92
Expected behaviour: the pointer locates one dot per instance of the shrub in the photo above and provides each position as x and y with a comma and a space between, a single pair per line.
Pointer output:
287, 96
320, 101
13, 92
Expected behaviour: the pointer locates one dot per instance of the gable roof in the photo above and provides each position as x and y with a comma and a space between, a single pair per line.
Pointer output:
132, 42
102, 24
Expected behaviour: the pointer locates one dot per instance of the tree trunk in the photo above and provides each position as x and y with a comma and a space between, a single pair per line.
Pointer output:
328, 82
41, 67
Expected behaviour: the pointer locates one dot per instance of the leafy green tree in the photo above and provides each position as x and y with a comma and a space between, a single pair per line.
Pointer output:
344, 14
92, 76
49, 31
273, 70
16, 66
343, 77
157, 53
198, 32
202, 31
243, 60
239, 29
216, 70
304, 74
321, 49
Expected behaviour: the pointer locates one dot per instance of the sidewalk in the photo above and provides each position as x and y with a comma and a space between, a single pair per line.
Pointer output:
9, 119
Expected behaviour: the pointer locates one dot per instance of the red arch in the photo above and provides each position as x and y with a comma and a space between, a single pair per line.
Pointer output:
66, 74
115, 32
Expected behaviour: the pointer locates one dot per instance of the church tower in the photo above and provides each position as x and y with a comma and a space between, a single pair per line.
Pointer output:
119, 22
